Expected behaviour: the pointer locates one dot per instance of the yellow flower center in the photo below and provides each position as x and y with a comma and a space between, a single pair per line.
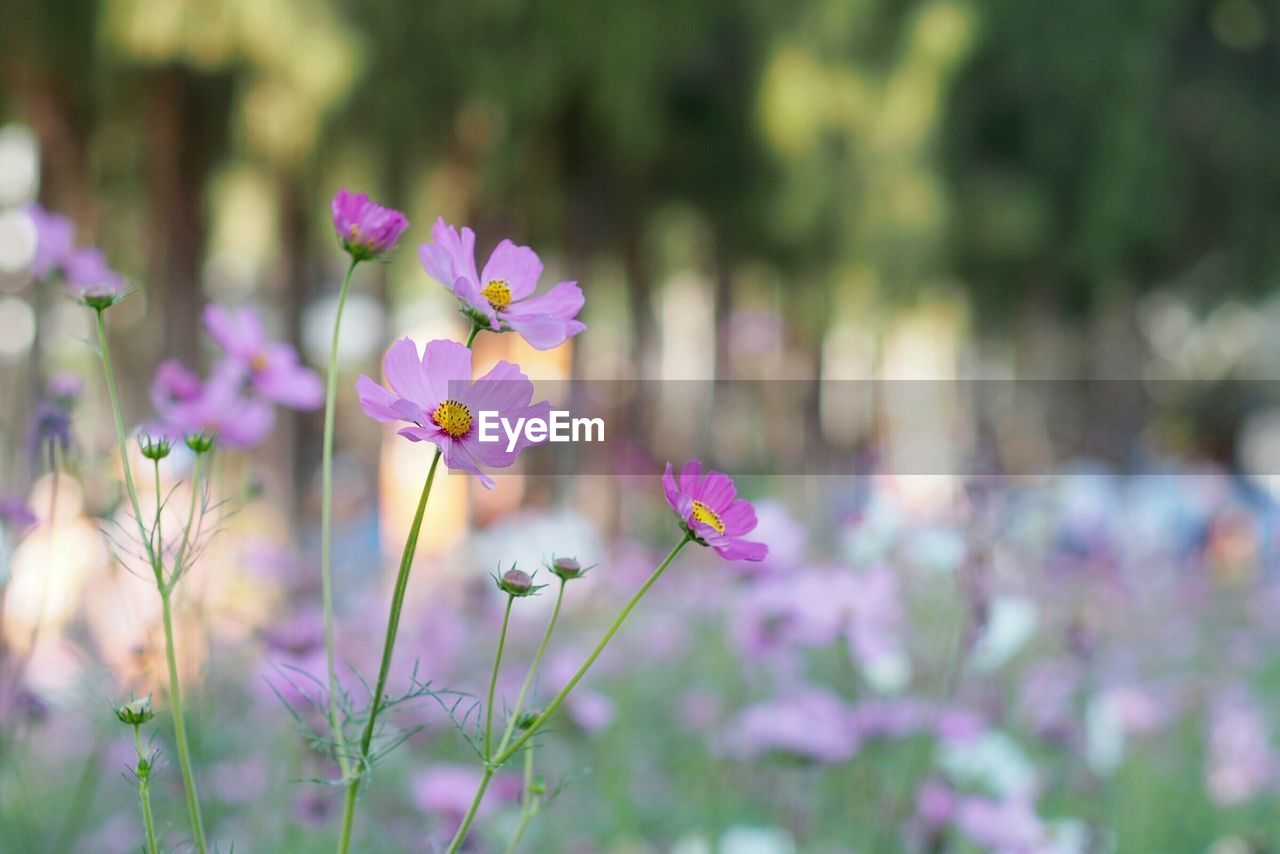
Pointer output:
258, 363
453, 418
498, 293
355, 231
704, 514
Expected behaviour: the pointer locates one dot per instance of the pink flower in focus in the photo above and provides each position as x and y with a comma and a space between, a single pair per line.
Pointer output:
55, 236
435, 395
501, 295
708, 509
273, 368
366, 230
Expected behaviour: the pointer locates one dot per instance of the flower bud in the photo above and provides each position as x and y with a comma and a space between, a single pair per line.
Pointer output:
567, 568
136, 712
154, 449
538, 786
516, 582
201, 443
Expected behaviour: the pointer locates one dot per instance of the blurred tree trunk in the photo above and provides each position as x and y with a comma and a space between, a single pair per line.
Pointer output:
300, 434
186, 114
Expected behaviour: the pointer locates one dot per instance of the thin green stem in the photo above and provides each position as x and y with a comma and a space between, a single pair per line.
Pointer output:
180, 727
529, 804
518, 708
184, 546
493, 680
121, 438
175, 692
475, 330
326, 526
559, 698
494, 763
463, 829
157, 535
144, 794
388, 647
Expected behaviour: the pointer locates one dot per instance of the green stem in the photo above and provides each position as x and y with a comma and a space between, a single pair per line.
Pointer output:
326, 526
518, 708
144, 794
493, 680
157, 535
121, 437
465, 827
529, 804
559, 698
175, 693
388, 646
475, 330
185, 545
180, 727
497, 762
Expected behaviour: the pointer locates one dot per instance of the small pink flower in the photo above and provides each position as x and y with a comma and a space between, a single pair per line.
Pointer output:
90, 280
708, 509
55, 235
435, 395
273, 368
501, 295
366, 230
218, 407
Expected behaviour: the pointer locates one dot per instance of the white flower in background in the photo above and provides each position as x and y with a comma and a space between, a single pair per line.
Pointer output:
1104, 733
1011, 624
744, 839
993, 762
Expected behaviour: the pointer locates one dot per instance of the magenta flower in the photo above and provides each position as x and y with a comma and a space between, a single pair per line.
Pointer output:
90, 280
501, 295
366, 230
217, 406
708, 510
55, 235
274, 369
15, 513
435, 395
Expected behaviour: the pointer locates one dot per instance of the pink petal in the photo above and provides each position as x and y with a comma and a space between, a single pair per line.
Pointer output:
376, 400
564, 301
518, 266
738, 518
669, 487
731, 548
541, 331
717, 491
405, 373
690, 476
446, 369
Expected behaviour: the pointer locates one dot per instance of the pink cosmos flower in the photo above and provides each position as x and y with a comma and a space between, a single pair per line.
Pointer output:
435, 395
273, 368
217, 406
809, 723
90, 280
366, 230
501, 295
708, 509
55, 236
